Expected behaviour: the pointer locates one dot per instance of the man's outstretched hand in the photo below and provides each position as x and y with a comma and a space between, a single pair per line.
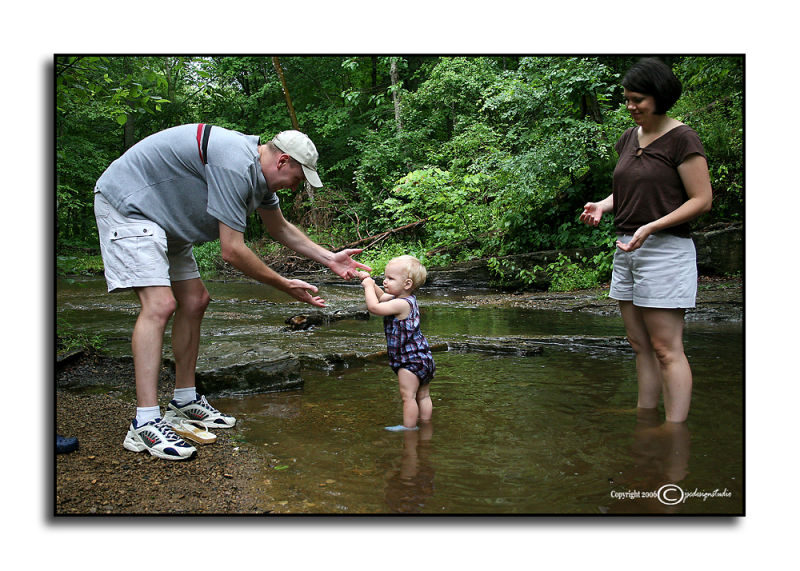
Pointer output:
344, 266
303, 291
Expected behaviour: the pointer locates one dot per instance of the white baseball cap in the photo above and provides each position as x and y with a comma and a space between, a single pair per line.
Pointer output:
298, 146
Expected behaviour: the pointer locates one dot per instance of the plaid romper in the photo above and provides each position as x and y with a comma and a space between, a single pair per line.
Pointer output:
407, 346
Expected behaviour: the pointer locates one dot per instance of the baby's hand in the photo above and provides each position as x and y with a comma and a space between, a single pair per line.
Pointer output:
361, 275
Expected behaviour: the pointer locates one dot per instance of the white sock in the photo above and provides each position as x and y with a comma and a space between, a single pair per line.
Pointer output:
146, 414
185, 396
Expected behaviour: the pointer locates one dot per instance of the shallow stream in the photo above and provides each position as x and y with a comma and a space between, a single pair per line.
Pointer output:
548, 433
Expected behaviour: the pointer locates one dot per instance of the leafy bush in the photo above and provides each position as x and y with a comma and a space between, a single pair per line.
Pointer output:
70, 339
377, 258
508, 272
568, 275
562, 274
85, 265
453, 205
209, 257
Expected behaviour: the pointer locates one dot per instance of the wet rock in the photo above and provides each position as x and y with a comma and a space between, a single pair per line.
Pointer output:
518, 346
720, 250
531, 346
522, 348
231, 367
304, 321
332, 361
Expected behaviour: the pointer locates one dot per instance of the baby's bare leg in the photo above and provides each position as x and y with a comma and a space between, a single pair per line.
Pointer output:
424, 402
409, 383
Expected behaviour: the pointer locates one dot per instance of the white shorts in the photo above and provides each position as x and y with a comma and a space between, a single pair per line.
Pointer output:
136, 252
661, 273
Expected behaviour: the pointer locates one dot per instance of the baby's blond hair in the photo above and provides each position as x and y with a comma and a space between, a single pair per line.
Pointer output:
413, 269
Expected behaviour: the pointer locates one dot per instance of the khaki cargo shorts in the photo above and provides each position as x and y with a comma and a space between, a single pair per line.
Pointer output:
137, 253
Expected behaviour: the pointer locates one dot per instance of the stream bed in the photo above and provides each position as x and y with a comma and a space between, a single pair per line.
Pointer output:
552, 431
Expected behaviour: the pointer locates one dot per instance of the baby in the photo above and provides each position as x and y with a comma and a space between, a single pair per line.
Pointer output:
410, 355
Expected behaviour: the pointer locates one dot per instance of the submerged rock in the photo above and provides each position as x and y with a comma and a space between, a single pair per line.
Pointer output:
304, 321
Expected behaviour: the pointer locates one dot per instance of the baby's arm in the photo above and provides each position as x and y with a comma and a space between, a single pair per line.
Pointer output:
378, 291
380, 303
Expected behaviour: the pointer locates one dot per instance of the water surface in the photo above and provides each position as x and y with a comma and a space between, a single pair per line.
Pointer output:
554, 433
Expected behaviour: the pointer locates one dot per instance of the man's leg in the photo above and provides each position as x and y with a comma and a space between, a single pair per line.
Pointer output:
192, 299
158, 305
146, 432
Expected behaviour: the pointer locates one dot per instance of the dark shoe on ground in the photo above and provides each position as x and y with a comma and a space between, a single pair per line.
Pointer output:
66, 444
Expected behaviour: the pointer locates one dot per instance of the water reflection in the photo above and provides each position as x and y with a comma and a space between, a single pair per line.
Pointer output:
410, 486
660, 451
659, 456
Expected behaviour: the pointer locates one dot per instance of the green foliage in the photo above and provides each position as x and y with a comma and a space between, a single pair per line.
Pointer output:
507, 272
567, 275
83, 265
563, 274
498, 153
208, 257
554, 109
713, 105
453, 205
603, 263
69, 339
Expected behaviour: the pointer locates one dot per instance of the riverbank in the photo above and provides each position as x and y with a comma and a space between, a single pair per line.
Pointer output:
229, 476
103, 478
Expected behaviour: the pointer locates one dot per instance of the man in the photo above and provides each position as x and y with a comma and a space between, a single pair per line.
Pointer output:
182, 186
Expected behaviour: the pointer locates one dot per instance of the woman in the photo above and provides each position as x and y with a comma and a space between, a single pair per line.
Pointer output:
660, 183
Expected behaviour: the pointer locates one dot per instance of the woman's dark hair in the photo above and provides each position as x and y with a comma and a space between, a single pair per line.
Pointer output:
653, 77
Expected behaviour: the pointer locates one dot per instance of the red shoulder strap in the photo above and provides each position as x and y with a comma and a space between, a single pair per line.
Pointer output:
203, 131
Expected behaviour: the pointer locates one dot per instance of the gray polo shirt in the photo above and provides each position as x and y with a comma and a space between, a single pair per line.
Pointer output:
162, 178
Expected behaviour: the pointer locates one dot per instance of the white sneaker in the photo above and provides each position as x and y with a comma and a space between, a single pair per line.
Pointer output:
200, 412
158, 438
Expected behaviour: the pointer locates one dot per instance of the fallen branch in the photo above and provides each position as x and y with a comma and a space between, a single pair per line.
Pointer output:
375, 238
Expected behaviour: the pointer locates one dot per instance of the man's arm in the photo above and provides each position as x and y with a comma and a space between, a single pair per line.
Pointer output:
236, 253
290, 236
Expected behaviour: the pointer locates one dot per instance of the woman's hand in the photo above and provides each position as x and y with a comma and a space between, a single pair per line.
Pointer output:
592, 213
637, 240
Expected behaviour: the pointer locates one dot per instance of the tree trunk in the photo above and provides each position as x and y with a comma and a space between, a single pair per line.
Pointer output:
295, 124
289, 105
129, 138
590, 107
395, 76
129, 129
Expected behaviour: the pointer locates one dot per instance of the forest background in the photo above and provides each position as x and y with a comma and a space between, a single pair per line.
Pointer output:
473, 157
